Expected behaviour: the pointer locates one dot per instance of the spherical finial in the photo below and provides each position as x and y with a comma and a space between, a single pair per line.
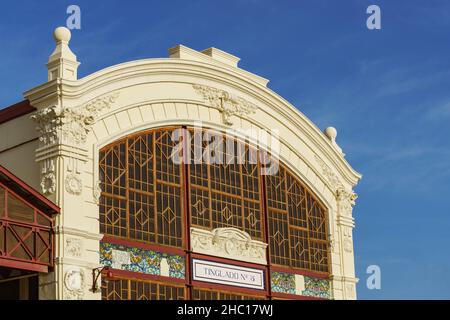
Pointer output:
62, 34
331, 133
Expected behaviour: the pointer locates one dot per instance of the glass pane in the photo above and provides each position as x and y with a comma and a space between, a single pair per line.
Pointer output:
19, 211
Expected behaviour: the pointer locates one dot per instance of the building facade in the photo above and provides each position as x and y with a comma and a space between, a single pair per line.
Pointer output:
181, 178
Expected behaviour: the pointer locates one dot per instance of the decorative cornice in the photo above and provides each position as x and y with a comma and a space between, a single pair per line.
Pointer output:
229, 243
228, 104
79, 233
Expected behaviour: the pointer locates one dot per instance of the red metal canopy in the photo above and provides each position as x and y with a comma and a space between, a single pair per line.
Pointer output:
26, 225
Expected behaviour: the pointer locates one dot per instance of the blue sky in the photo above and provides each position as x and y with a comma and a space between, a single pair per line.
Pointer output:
387, 92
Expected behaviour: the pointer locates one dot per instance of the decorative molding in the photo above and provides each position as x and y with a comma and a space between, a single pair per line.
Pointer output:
347, 237
73, 247
73, 184
62, 125
74, 283
348, 245
230, 243
329, 174
346, 201
60, 230
48, 183
57, 125
228, 104
97, 192
96, 106
350, 291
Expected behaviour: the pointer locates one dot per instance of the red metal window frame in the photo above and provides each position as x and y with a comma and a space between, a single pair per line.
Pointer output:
188, 254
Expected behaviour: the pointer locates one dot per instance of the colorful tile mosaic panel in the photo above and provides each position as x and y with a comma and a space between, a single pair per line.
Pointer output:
142, 260
283, 282
319, 288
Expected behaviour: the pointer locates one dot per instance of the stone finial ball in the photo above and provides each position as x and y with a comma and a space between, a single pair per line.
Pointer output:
331, 133
62, 34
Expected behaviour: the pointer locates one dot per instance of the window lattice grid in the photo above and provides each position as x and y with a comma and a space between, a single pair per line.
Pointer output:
142, 198
278, 237
113, 216
140, 163
275, 190
112, 164
141, 217
166, 169
226, 194
169, 217
299, 248
296, 203
141, 189
319, 256
208, 294
130, 289
294, 214
200, 213
316, 220
115, 290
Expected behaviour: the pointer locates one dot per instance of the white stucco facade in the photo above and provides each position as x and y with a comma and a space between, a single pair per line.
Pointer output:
56, 148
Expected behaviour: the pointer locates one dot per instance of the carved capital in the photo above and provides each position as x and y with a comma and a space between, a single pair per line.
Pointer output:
61, 125
230, 243
228, 104
346, 200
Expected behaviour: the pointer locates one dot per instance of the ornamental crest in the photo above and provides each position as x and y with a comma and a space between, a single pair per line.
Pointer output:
228, 104
228, 243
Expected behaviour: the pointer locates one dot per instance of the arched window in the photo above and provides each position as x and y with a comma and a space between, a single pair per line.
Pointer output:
149, 198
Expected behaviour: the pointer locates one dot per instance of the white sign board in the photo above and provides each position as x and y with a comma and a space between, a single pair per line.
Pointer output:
227, 274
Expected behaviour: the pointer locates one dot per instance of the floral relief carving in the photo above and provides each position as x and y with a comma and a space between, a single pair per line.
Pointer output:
329, 174
346, 201
229, 243
48, 183
74, 283
347, 241
97, 192
228, 104
70, 125
73, 184
73, 247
